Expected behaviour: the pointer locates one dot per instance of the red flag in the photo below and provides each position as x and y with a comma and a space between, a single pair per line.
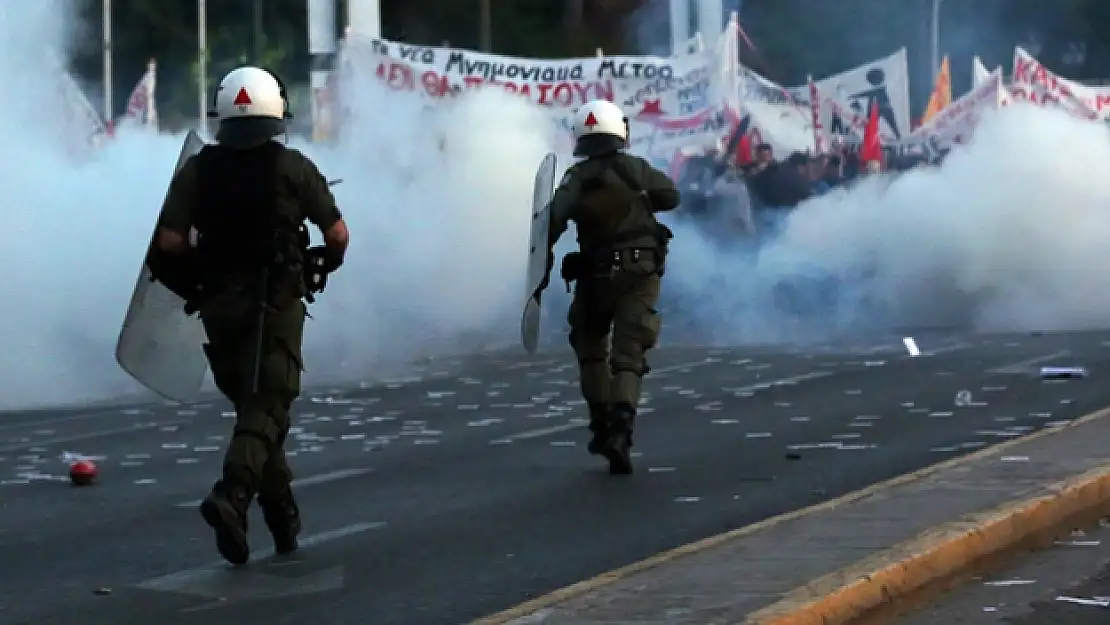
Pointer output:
744, 151
872, 148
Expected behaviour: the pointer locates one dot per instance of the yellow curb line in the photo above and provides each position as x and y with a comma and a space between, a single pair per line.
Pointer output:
848, 593
938, 553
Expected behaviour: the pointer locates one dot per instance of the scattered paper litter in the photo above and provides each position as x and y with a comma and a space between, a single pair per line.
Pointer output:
911, 346
69, 457
963, 398
1063, 373
1097, 602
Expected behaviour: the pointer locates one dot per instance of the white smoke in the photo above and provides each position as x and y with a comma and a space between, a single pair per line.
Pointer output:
438, 203
439, 236
1010, 233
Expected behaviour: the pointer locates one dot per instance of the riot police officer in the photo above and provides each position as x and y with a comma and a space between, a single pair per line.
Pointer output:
612, 198
246, 198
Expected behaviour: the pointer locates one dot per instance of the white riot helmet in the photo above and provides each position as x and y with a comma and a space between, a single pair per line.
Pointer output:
599, 126
251, 106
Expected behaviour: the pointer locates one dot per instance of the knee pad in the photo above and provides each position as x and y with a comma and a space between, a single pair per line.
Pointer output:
620, 365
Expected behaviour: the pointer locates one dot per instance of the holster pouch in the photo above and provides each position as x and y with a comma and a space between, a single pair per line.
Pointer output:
664, 236
639, 261
572, 268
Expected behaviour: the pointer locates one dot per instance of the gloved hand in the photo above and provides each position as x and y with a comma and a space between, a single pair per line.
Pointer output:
316, 269
180, 273
328, 261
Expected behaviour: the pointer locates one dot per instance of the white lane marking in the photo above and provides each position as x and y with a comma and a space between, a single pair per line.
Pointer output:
579, 423
941, 350
176, 582
42, 442
1026, 366
787, 381
573, 424
84, 416
679, 367
223, 587
312, 480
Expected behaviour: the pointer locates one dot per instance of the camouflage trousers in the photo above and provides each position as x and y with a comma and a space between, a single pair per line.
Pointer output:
622, 307
255, 456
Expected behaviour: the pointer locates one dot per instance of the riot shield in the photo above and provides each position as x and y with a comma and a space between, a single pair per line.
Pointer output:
542, 193
159, 345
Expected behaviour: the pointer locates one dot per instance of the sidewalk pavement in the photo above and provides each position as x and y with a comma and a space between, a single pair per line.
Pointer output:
1065, 584
832, 562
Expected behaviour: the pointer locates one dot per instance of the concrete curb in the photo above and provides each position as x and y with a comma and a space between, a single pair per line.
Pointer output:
851, 592
938, 553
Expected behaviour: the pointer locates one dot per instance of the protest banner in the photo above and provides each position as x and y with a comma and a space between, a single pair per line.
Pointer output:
1034, 83
955, 123
668, 100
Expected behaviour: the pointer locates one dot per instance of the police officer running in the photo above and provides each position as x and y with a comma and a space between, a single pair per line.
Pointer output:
612, 198
247, 198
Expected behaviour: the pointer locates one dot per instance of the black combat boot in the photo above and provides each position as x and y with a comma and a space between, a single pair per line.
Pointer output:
225, 511
283, 518
599, 425
618, 444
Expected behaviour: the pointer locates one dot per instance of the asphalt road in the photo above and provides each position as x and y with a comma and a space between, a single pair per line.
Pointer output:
438, 499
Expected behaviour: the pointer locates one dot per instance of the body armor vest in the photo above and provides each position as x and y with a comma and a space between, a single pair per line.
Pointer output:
613, 213
248, 221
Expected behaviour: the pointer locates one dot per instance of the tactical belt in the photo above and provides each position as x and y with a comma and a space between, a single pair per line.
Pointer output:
613, 253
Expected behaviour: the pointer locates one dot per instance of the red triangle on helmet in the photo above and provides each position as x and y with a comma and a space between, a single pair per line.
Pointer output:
590, 120
243, 98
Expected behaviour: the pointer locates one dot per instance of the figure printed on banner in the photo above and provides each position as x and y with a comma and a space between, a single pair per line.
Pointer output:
878, 95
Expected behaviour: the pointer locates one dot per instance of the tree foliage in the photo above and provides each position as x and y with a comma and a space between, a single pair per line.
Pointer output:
796, 38
166, 30
793, 38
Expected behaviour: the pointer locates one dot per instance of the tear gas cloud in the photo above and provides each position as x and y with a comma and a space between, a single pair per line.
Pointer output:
1009, 234
437, 200
439, 230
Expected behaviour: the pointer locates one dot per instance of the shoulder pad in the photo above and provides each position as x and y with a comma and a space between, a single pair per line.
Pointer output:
567, 177
571, 172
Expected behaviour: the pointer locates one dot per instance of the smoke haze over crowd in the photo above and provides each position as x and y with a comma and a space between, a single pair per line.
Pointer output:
1009, 234
437, 202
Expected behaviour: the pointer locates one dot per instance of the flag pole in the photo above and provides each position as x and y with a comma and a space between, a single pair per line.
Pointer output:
202, 62
106, 7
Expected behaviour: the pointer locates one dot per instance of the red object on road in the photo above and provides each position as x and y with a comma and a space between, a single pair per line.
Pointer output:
83, 472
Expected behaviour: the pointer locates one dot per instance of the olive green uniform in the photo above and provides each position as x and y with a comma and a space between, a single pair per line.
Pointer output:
249, 204
612, 200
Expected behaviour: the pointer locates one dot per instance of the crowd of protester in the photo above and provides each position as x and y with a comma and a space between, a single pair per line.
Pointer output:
751, 198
